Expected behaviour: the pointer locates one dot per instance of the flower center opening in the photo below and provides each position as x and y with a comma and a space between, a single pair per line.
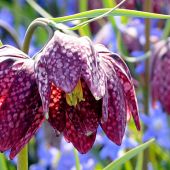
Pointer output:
75, 96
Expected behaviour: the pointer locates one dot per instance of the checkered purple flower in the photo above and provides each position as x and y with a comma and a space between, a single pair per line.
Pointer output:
78, 84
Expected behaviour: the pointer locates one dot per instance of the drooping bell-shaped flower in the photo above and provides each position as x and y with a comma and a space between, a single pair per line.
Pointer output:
95, 88
160, 79
63, 62
20, 103
78, 85
21, 111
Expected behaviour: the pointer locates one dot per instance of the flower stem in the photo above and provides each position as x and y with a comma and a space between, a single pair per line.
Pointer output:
77, 159
11, 32
32, 27
148, 8
166, 31
22, 163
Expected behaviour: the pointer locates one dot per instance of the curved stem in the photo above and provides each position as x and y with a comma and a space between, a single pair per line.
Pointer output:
12, 33
32, 27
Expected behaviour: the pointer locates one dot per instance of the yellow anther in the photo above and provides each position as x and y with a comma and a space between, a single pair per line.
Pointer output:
75, 96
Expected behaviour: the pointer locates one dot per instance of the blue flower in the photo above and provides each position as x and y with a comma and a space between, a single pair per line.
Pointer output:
140, 68
69, 6
111, 150
6, 18
157, 127
37, 166
67, 158
47, 155
6, 15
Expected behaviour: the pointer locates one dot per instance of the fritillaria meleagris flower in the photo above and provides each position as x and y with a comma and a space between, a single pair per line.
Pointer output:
20, 103
93, 86
160, 79
78, 86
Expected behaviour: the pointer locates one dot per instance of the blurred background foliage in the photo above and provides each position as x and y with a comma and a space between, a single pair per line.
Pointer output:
123, 35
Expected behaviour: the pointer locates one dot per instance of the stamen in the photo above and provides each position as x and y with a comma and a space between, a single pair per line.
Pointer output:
75, 96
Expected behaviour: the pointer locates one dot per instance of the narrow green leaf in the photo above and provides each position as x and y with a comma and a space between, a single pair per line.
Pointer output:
39, 9
3, 165
98, 17
130, 154
77, 160
116, 12
139, 164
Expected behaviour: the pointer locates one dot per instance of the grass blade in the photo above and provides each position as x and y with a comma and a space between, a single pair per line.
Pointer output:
130, 154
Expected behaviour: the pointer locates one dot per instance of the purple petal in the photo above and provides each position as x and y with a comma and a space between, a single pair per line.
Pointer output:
9, 51
125, 78
63, 62
92, 71
57, 109
114, 126
19, 103
81, 142
159, 69
35, 124
129, 94
85, 116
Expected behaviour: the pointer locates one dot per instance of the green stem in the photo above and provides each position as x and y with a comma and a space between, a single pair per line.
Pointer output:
3, 162
32, 27
22, 163
166, 31
12, 33
77, 159
148, 8
147, 69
